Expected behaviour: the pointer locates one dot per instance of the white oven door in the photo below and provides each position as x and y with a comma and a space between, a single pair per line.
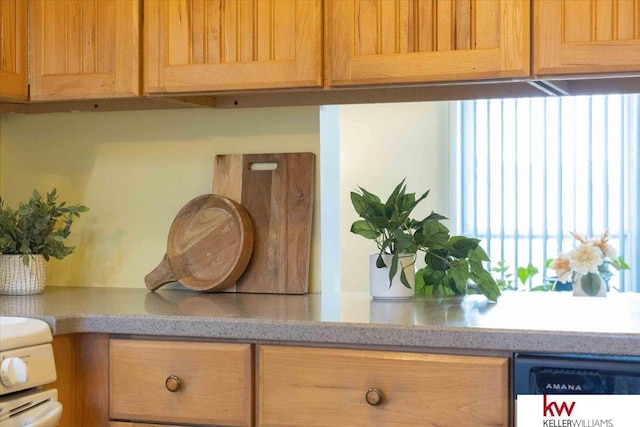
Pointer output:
31, 408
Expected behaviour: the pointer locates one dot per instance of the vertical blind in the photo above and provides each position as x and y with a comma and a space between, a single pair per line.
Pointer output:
532, 170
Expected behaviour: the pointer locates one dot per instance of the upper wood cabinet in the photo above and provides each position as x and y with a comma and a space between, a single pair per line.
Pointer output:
409, 41
586, 36
222, 45
13, 49
84, 49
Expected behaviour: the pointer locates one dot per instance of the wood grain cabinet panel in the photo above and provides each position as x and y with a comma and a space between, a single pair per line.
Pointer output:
82, 367
327, 387
129, 424
84, 49
13, 50
216, 383
413, 41
223, 45
586, 37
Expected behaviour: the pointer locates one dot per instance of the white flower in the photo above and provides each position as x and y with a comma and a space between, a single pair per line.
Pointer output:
562, 266
610, 251
585, 258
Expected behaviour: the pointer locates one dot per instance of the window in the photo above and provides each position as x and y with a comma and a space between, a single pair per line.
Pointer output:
530, 171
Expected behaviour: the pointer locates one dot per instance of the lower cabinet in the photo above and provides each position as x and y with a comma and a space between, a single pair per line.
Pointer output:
159, 383
303, 386
180, 383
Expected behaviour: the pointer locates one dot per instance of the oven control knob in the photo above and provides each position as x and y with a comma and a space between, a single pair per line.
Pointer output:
13, 371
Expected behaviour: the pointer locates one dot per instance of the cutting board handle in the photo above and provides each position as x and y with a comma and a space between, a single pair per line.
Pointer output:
263, 166
159, 276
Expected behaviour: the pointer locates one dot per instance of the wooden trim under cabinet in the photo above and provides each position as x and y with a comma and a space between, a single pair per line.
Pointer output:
302, 386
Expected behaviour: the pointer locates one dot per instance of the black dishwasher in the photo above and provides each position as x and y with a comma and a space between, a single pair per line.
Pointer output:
575, 374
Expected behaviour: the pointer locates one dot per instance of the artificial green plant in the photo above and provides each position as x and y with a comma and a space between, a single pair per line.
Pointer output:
38, 227
451, 261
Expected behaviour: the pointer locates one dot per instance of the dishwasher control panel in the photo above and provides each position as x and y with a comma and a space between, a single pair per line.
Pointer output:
575, 374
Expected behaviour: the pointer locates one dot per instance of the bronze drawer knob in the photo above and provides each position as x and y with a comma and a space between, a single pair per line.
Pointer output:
173, 383
374, 397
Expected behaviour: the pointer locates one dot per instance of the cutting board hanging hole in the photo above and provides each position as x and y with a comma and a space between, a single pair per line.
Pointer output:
263, 166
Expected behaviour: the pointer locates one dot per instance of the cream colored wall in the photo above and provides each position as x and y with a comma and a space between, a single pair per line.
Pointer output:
135, 170
379, 146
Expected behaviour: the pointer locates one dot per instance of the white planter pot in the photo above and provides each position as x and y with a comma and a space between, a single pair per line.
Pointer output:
379, 278
19, 279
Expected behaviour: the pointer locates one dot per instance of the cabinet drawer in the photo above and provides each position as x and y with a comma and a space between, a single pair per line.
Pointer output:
215, 382
129, 424
328, 387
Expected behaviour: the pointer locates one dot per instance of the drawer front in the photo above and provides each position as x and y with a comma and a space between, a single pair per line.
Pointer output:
328, 387
129, 424
216, 385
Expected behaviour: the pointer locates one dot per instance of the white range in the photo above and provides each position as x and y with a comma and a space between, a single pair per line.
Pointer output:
27, 363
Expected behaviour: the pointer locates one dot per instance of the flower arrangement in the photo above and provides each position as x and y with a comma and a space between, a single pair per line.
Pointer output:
590, 262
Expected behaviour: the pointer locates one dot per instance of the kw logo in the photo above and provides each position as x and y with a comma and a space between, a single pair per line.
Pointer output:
552, 409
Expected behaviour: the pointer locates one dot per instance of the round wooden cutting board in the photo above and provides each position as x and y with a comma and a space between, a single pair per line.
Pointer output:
209, 246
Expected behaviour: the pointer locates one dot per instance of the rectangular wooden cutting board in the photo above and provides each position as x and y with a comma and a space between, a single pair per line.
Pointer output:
277, 190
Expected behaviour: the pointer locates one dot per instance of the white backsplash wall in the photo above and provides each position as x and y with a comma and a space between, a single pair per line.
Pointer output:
380, 144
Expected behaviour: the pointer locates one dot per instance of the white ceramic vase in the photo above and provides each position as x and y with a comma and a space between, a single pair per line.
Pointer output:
379, 278
578, 285
19, 279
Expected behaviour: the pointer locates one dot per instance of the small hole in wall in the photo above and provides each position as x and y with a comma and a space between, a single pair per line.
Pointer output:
235, 102
95, 105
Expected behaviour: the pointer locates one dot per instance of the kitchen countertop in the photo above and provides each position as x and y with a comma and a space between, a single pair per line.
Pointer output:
529, 322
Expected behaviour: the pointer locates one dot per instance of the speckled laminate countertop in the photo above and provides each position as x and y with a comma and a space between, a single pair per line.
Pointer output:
527, 322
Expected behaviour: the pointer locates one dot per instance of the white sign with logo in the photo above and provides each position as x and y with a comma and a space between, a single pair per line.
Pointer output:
582, 410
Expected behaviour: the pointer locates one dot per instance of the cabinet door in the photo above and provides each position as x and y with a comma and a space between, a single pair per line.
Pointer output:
220, 45
335, 387
84, 49
13, 49
586, 36
412, 41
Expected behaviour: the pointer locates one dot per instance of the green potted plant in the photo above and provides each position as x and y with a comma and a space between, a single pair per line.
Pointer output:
454, 264
31, 235
389, 225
